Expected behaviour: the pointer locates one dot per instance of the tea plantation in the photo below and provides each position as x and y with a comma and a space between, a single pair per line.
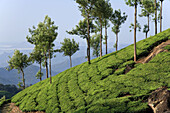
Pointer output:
102, 86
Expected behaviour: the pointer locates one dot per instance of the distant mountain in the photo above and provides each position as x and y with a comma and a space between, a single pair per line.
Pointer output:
12, 77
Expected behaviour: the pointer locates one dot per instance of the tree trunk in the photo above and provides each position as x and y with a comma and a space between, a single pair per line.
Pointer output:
23, 80
148, 24
161, 17
50, 65
106, 36
100, 37
155, 18
116, 41
146, 34
135, 32
40, 72
46, 65
70, 62
88, 40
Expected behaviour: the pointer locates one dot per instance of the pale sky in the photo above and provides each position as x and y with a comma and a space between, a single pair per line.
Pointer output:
16, 16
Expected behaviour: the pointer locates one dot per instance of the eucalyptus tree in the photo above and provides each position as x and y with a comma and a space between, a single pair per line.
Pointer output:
134, 3
95, 44
102, 9
86, 7
82, 30
50, 35
107, 15
161, 16
38, 39
155, 17
44, 36
106, 25
117, 20
38, 57
19, 61
69, 48
147, 11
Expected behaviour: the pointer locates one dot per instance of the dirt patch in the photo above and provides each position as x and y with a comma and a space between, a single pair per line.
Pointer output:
159, 100
158, 49
11, 108
128, 68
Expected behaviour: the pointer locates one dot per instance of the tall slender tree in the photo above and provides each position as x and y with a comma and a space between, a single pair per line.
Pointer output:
86, 7
95, 44
147, 11
69, 48
43, 36
106, 25
107, 15
50, 34
134, 3
102, 10
117, 19
19, 61
161, 16
37, 39
155, 17
82, 30
37, 56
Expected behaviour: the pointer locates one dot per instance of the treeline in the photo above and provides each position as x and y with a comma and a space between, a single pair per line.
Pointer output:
98, 15
8, 90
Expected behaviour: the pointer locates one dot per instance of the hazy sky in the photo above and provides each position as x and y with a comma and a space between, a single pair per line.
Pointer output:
19, 15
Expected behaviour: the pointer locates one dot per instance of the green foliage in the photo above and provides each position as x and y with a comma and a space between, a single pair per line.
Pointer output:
81, 29
117, 19
95, 44
69, 47
39, 75
145, 29
102, 86
132, 3
167, 47
19, 61
43, 38
137, 26
2, 100
147, 8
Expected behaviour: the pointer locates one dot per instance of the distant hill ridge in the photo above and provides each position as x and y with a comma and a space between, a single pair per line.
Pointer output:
12, 77
103, 86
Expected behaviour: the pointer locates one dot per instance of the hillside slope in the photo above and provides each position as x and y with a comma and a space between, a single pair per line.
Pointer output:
103, 86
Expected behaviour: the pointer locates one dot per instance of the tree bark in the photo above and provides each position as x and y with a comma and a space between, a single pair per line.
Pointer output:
155, 18
40, 72
135, 32
161, 17
148, 24
116, 41
70, 62
106, 36
88, 40
50, 65
146, 34
100, 37
23, 80
46, 65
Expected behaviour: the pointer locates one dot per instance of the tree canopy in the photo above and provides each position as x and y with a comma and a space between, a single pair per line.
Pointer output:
19, 61
69, 47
